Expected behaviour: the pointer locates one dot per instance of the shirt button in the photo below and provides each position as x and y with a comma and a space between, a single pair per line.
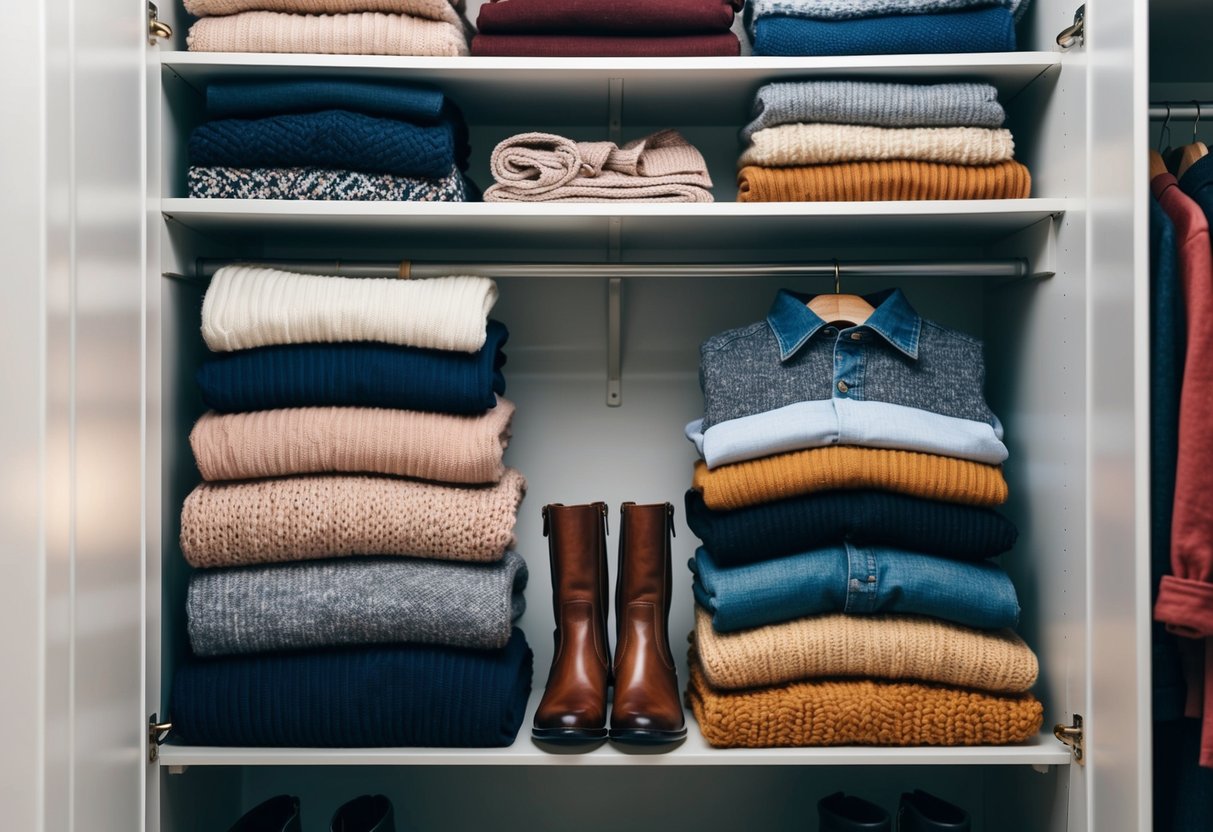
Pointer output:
871, 579
842, 387
829, 330
856, 336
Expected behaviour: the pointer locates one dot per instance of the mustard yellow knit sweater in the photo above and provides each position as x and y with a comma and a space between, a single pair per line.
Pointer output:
880, 181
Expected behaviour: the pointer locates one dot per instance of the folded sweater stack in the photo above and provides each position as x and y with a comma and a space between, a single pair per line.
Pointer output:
330, 27
844, 501
596, 28
543, 167
881, 27
329, 140
860, 141
354, 530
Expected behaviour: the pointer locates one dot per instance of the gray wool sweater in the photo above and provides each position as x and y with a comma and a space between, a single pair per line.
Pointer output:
355, 601
877, 104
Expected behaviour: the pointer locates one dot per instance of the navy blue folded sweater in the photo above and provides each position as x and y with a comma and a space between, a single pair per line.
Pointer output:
407, 695
364, 374
983, 30
329, 139
253, 99
786, 527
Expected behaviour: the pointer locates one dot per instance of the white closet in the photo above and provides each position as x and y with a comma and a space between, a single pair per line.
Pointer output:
107, 345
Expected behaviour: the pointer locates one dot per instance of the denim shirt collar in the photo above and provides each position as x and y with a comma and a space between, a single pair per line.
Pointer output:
894, 320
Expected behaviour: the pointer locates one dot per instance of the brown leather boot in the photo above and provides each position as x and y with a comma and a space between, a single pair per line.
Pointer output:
646, 708
573, 708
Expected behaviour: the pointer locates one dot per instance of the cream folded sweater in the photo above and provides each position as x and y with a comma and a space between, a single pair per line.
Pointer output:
301, 518
819, 144
881, 647
441, 447
426, 9
369, 33
248, 306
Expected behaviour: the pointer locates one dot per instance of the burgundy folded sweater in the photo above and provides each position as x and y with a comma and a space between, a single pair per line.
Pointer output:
595, 17
606, 46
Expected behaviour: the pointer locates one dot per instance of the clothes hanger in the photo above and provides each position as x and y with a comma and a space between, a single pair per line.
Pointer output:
1157, 165
1170, 155
851, 310
1195, 151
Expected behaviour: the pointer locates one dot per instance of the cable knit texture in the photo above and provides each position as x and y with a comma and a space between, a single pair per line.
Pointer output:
778, 477
331, 139
426, 9
366, 374
303, 518
785, 527
250, 306
884, 646
355, 601
542, 167
390, 696
318, 440
817, 144
874, 103
532, 17
980, 30
859, 712
719, 44
878, 181
343, 34
322, 184
850, 9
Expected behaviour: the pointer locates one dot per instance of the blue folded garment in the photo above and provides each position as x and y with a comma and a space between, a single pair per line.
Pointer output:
363, 375
983, 30
255, 99
329, 139
410, 695
852, 579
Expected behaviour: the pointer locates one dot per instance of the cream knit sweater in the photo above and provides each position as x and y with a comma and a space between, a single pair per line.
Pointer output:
426, 9
248, 306
881, 647
370, 33
818, 144
441, 447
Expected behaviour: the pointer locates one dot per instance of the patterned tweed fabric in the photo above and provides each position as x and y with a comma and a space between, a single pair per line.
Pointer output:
778, 477
250, 306
883, 647
859, 712
355, 601
342, 34
440, 447
322, 184
818, 144
303, 518
330, 139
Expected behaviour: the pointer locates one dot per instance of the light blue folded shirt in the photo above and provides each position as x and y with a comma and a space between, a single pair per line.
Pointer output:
839, 421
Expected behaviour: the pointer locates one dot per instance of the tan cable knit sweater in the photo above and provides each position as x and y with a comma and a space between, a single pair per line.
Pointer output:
426, 9
816, 144
881, 646
370, 33
441, 447
300, 518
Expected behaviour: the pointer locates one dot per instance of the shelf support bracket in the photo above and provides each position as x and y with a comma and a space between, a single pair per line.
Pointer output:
1072, 737
156, 732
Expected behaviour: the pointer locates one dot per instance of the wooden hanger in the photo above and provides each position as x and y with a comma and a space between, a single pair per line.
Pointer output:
1193, 152
851, 310
1157, 165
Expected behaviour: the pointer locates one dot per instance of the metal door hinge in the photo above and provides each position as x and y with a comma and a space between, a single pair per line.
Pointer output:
1072, 737
1073, 34
157, 29
156, 733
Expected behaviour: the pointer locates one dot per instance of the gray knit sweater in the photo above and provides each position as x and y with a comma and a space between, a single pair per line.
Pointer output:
875, 103
852, 9
355, 601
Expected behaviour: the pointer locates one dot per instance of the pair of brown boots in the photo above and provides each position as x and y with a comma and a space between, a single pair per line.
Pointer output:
646, 707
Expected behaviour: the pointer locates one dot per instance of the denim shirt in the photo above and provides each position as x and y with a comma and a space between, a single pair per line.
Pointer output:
794, 356
857, 580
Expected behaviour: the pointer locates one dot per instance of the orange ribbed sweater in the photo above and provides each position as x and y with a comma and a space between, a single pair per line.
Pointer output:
879, 181
794, 474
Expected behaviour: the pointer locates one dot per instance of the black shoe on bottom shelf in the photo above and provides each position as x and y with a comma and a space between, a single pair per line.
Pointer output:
368, 813
922, 812
841, 813
278, 814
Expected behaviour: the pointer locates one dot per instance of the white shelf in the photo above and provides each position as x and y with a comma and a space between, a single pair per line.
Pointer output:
663, 91
720, 225
1044, 750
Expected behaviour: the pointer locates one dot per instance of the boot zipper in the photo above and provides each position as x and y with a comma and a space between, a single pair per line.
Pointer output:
546, 526
669, 513
606, 523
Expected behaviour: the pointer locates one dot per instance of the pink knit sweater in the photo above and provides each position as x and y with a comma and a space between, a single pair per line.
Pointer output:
317, 440
370, 33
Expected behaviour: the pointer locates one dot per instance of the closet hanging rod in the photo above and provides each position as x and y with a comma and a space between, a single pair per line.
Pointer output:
997, 268
1180, 110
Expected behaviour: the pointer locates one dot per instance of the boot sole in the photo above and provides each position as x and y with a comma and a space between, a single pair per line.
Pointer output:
638, 736
569, 736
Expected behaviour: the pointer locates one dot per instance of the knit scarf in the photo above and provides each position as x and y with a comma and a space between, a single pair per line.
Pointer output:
342, 34
261, 609
817, 144
322, 184
880, 181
